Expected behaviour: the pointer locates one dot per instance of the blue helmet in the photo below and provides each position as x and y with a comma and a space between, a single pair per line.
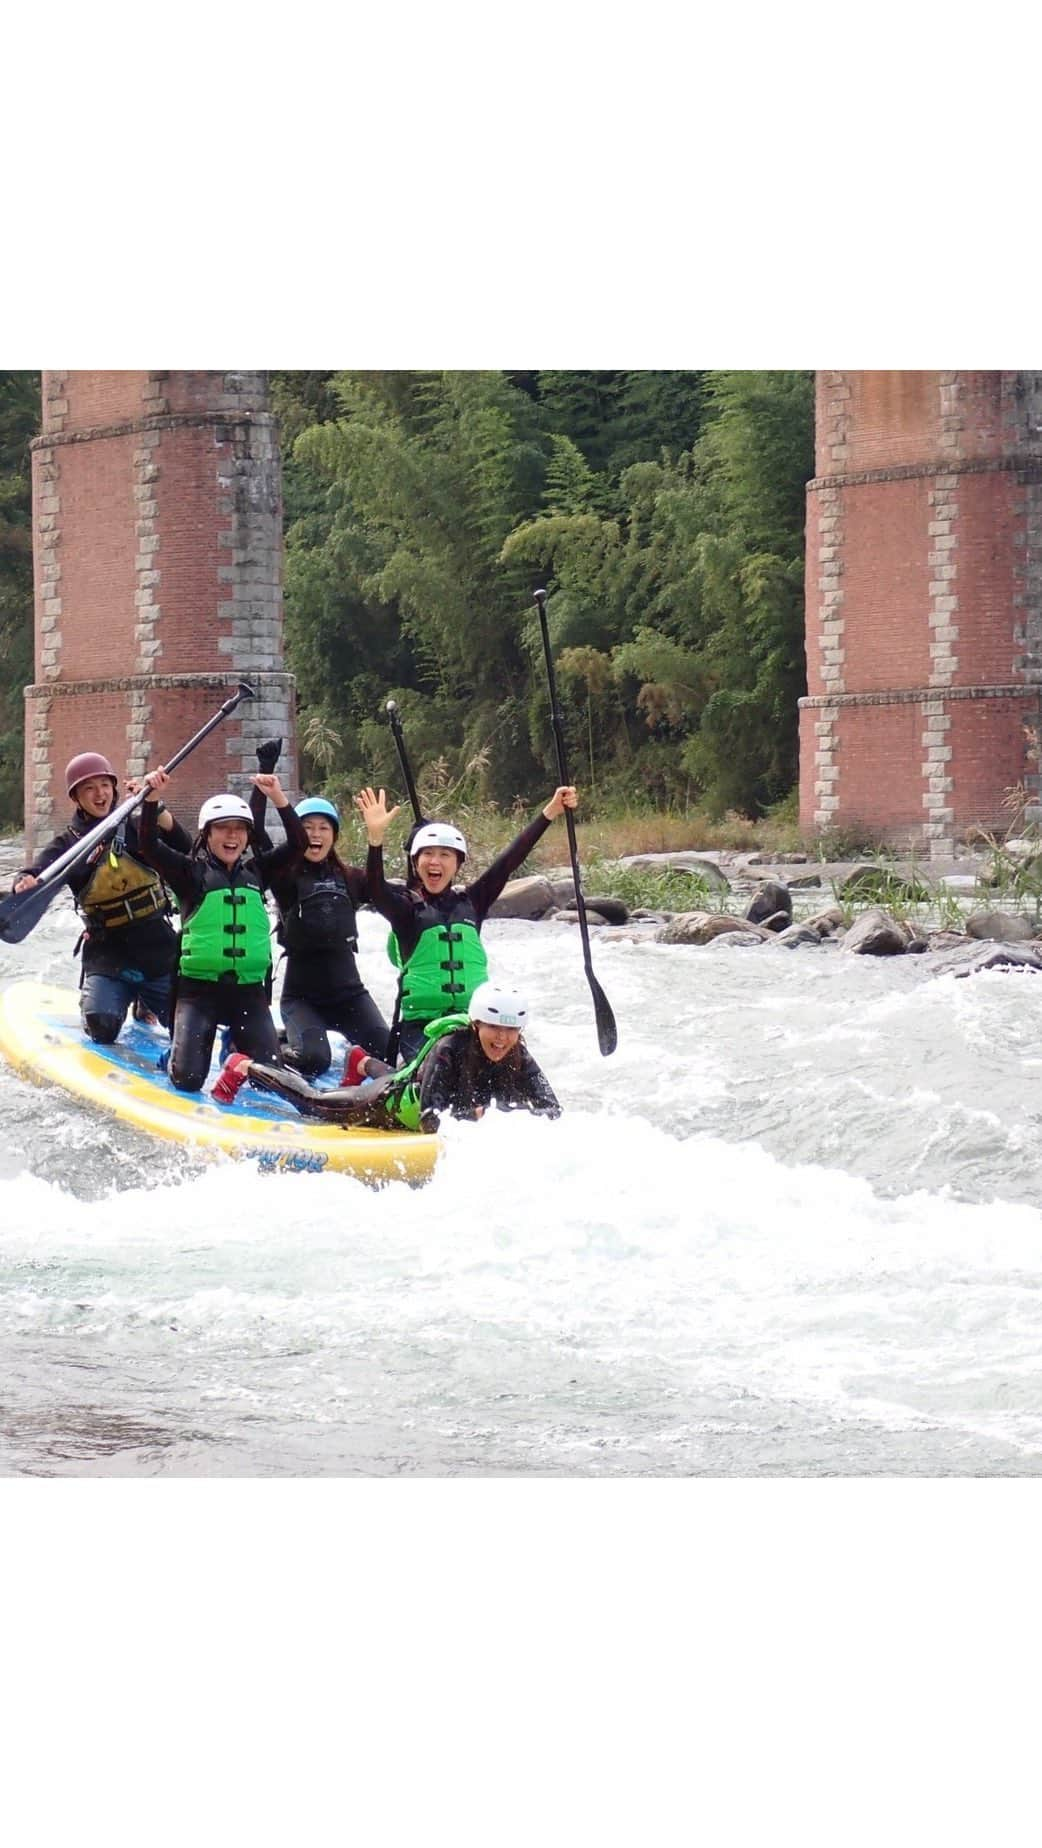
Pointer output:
317, 805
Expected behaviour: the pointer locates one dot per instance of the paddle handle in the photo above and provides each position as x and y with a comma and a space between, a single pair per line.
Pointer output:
399, 745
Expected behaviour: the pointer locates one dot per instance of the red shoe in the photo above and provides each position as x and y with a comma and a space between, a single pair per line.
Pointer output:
355, 1064
231, 1078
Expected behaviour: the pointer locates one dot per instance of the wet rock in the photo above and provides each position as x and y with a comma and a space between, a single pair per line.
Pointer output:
969, 958
800, 882
525, 898
593, 918
877, 933
796, 935
999, 927
770, 903
612, 910
704, 926
825, 923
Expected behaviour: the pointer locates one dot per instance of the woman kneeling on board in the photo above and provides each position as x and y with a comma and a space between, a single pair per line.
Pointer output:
129, 944
468, 1062
436, 925
224, 972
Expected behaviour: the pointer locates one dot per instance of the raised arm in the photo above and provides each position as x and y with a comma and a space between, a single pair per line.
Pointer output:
389, 900
294, 846
486, 889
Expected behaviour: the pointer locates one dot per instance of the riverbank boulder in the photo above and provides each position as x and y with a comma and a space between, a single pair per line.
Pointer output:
525, 898
970, 958
877, 933
999, 927
771, 906
704, 926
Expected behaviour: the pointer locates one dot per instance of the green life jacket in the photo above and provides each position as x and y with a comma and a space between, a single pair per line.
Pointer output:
401, 1099
228, 934
446, 966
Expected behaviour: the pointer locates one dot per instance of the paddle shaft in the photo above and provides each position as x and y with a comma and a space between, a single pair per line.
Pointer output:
399, 745
394, 1035
607, 1034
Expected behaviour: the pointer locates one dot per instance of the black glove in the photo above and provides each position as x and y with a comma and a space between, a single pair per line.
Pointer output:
268, 755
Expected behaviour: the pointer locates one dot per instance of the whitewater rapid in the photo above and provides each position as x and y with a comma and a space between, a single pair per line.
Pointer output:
791, 1227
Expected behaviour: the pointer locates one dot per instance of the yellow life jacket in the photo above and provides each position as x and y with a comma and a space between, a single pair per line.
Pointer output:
120, 891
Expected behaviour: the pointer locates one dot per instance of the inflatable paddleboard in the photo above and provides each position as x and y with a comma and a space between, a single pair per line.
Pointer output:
41, 1035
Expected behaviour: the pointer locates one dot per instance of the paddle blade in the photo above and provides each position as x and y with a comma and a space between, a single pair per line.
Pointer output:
22, 911
607, 1031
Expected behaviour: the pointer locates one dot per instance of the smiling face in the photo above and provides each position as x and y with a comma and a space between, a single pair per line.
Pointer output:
496, 1042
95, 796
227, 840
321, 835
436, 867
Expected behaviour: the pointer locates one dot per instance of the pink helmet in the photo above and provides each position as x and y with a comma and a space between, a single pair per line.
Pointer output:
88, 763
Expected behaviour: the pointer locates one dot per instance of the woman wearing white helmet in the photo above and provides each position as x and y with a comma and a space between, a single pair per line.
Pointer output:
224, 970
468, 1063
435, 923
486, 1063
129, 945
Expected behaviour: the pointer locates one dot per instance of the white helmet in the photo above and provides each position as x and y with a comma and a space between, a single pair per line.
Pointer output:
498, 1007
438, 834
224, 808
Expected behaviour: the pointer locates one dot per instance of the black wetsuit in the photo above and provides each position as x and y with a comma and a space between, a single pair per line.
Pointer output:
123, 958
202, 1006
408, 908
456, 1079
318, 929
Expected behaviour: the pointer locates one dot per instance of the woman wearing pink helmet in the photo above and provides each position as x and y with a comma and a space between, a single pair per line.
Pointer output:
129, 946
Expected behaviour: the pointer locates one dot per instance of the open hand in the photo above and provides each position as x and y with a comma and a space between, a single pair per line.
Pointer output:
375, 814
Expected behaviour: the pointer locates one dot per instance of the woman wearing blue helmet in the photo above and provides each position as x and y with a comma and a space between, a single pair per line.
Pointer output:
317, 899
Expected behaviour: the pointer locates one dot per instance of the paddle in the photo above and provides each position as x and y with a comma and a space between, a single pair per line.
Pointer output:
23, 910
399, 744
607, 1032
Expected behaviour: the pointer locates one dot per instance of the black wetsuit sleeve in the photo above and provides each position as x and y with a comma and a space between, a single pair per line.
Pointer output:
53, 851
176, 837
177, 869
259, 811
292, 849
440, 1082
485, 890
357, 886
390, 901
534, 1089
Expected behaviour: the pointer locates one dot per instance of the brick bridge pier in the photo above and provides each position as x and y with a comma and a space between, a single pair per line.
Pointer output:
924, 604
157, 541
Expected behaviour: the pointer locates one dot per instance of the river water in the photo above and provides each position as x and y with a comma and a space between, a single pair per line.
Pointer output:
791, 1228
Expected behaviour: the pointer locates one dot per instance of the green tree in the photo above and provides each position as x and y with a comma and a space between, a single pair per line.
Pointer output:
698, 583
423, 476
